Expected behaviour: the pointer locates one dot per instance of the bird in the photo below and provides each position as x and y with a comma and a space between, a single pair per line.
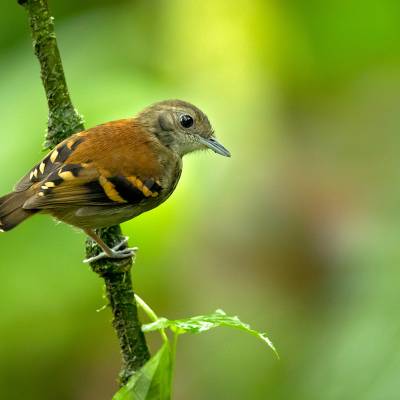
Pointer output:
112, 172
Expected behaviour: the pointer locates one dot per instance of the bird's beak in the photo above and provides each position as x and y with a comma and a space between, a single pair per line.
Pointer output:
215, 146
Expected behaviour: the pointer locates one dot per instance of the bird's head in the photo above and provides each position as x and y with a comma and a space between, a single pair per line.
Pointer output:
181, 126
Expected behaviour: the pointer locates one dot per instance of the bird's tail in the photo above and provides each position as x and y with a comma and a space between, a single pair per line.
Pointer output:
11, 211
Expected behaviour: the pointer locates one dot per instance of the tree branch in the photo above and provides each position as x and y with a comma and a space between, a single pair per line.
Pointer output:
63, 121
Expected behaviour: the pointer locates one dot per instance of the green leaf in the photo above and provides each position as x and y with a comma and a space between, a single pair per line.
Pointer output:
152, 381
204, 323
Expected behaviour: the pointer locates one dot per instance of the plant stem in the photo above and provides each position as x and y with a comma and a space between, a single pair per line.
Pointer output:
63, 121
151, 314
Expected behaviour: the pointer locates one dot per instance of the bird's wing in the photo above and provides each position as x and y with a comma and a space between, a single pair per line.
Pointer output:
77, 185
51, 163
111, 164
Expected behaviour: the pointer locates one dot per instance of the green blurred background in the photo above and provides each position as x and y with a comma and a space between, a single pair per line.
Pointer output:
298, 233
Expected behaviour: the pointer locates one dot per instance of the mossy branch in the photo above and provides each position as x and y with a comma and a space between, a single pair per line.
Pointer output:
63, 121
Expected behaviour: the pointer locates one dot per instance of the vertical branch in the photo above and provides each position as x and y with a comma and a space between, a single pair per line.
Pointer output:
63, 121
121, 297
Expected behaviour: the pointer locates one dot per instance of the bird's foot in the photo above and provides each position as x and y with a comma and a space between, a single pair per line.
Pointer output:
114, 252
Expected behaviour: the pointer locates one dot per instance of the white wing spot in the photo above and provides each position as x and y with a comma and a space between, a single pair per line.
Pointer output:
53, 156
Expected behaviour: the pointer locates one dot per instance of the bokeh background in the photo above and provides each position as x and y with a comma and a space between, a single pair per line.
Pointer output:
298, 233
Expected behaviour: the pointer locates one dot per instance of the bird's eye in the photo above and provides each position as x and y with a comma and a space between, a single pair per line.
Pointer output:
186, 121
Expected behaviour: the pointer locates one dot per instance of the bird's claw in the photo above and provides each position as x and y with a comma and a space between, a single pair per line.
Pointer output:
116, 253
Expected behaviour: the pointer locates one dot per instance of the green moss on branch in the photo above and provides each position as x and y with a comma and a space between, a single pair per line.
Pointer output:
63, 121
117, 278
